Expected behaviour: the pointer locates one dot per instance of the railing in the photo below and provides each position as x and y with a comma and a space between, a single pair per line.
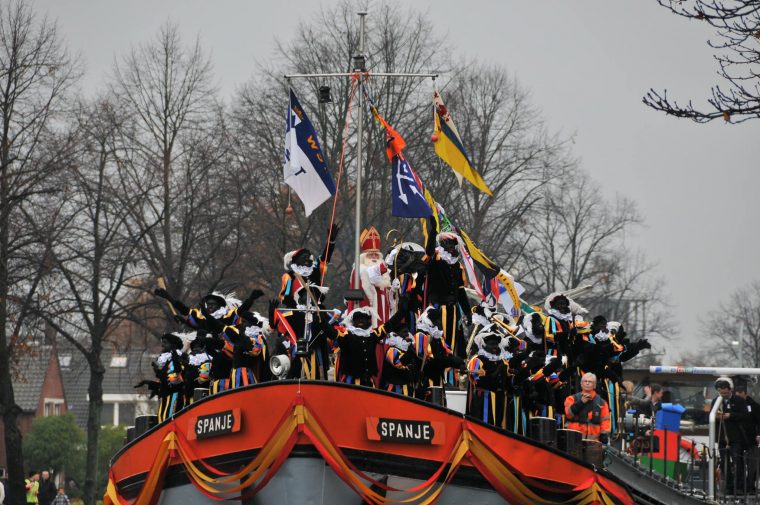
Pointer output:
714, 472
713, 443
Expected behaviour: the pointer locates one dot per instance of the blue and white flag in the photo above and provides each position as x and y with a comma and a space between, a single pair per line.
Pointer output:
406, 191
304, 167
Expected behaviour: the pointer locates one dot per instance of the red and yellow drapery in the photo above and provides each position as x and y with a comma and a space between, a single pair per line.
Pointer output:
301, 421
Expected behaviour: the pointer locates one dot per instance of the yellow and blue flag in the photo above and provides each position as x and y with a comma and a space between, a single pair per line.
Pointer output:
448, 146
493, 271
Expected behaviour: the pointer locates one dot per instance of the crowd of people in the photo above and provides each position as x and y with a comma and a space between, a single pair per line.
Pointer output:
413, 331
738, 436
40, 490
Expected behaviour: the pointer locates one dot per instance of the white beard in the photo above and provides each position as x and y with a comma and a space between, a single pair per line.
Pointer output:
370, 274
448, 258
301, 270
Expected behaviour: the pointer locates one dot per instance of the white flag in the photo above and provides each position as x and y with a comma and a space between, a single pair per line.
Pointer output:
305, 169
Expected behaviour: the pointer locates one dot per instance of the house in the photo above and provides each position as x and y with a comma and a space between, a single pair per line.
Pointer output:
38, 389
123, 369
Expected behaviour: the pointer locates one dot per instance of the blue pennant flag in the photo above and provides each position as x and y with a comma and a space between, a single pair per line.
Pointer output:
406, 192
304, 166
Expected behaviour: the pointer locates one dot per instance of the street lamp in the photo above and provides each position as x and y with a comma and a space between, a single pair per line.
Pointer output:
738, 343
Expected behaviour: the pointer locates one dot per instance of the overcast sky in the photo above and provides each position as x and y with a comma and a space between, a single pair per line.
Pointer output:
586, 64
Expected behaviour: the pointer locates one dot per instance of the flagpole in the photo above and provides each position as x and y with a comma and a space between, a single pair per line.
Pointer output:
359, 164
359, 71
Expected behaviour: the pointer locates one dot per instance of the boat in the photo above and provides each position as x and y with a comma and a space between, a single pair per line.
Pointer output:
319, 442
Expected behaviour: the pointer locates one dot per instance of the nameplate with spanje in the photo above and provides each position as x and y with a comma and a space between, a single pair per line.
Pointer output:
405, 431
214, 425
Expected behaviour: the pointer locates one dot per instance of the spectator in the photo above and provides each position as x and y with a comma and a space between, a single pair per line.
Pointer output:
667, 397
46, 493
61, 498
32, 485
733, 438
651, 403
751, 425
655, 398
588, 412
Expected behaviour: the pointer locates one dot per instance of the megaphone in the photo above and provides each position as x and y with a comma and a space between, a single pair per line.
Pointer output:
279, 365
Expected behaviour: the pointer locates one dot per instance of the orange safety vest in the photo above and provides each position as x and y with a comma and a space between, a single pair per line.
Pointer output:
594, 418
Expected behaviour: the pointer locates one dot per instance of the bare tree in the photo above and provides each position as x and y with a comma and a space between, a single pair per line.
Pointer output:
577, 234
733, 329
35, 73
737, 26
95, 260
172, 150
578, 238
503, 132
509, 146
397, 40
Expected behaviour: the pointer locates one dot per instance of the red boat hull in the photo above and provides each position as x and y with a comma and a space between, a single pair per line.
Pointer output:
356, 440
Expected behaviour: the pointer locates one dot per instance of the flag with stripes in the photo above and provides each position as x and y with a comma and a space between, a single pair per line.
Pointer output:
449, 147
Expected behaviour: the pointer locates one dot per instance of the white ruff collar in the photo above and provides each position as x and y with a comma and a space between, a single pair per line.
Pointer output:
529, 333
602, 336
493, 357
429, 329
448, 258
252, 331
563, 317
480, 320
164, 358
302, 270
198, 359
398, 342
359, 332
219, 313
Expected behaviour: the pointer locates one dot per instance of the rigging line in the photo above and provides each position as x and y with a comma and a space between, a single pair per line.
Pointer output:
354, 79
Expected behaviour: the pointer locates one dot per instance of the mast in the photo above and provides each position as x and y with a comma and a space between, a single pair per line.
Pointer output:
359, 71
359, 165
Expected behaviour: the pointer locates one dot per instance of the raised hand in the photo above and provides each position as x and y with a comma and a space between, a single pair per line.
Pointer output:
162, 293
273, 304
334, 229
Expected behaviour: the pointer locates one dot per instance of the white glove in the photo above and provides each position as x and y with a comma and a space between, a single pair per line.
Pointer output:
391, 257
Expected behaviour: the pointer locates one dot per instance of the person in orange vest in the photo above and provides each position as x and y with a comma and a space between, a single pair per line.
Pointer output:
587, 412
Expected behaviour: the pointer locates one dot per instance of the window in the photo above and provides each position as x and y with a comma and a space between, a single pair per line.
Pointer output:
64, 360
127, 414
52, 407
119, 361
106, 414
